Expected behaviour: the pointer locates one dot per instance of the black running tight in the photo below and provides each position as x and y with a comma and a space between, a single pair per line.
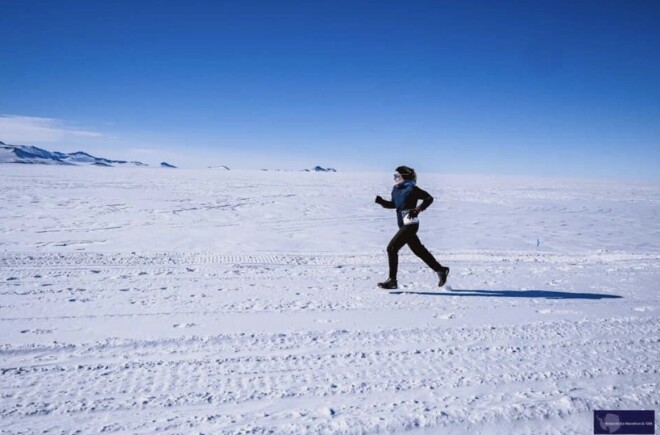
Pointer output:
408, 235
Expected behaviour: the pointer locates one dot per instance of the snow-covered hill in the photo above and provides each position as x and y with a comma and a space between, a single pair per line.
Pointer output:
27, 154
322, 169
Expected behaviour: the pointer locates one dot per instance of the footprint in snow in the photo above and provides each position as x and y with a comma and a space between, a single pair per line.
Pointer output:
326, 412
643, 309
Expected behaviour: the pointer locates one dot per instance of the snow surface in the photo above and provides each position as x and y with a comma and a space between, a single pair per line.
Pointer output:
141, 300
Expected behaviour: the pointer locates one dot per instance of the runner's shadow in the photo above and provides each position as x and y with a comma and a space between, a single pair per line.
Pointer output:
545, 294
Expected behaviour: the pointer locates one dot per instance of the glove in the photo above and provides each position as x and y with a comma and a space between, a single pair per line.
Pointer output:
379, 200
414, 212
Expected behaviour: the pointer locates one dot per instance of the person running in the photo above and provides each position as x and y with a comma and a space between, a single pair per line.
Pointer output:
405, 195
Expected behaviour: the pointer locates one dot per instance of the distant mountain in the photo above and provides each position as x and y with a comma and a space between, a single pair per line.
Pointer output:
166, 165
322, 169
32, 155
316, 169
226, 168
101, 164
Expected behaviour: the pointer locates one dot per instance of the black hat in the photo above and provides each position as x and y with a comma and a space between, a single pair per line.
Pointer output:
407, 173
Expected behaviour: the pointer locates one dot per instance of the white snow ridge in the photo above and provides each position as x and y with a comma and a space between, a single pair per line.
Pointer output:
201, 301
27, 154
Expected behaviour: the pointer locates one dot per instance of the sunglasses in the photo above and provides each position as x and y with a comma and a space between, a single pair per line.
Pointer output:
397, 176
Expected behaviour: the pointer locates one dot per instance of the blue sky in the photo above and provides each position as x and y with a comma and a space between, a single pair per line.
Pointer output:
521, 88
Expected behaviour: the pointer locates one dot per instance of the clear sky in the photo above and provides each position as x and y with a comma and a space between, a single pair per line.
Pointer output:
498, 87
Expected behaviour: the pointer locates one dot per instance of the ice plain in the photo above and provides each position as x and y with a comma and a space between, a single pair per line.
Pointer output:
145, 299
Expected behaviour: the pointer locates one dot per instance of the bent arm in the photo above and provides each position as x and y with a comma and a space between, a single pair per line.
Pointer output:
425, 197
385, 203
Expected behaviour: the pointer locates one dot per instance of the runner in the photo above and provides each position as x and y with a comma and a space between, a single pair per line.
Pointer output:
405, 195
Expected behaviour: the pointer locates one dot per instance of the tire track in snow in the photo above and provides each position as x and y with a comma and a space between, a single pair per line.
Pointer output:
40, 260
261, 378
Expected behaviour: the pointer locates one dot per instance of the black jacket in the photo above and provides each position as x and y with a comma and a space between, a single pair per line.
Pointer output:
405, 197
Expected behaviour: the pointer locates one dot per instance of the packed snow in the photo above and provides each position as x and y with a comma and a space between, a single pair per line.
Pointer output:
204, 301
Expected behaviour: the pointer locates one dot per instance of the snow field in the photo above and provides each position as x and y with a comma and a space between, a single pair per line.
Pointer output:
137, 300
